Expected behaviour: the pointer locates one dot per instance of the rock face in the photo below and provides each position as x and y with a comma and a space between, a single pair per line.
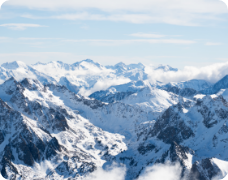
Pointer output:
204, 170
186, 92
170, 127
195, 84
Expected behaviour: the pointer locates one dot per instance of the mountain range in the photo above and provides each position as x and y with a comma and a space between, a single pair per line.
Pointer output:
65, 121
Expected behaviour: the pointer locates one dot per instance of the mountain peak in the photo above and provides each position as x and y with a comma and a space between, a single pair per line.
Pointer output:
224, 78
221, 84
86, 62
166, 68
14, 65
38, 63
11, 79
120, 64
89, 61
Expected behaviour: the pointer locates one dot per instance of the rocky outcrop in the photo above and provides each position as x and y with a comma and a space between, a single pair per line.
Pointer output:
171, 127
204, 170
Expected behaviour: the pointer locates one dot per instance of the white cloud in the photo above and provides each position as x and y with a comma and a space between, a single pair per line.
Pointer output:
195, 6
20, 26
177, 18
211, 73
212, 44
4, 38
38, 39
98, 42
136, 18
112, 173
147, 35
166, 171
1, 2
179, 12
110, 42
104, 84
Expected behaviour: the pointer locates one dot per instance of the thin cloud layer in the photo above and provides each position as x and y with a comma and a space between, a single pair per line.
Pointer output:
176, 17
188, 13
212, 44
20, 26
196, 6
147, 35
112, 42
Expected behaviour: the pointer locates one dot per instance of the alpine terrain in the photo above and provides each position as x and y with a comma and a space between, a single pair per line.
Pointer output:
65, 121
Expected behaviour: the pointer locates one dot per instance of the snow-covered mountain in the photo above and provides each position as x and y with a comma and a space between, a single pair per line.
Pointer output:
165, 68
139, 94
116, 93
50, 127
49, 130
120, 67
152, 99
193, 134
195, 84
87, 76
75, 76
20, 70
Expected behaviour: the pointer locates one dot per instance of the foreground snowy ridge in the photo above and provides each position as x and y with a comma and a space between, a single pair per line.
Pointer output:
49, 130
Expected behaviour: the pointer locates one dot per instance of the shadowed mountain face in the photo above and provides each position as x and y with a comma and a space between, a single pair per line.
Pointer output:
48, 130
221, 84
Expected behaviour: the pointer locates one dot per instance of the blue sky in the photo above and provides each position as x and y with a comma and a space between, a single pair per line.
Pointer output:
175, 32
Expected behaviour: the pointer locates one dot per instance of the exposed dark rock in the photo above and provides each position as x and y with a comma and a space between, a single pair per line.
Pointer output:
1, 137
87, 167
60, 122
170, 127
185, 92
7, 166
52, 147
143, 149
208, 116
8, 156
223, 129
34, 151
204, 170
40, 145
118, 96
178, 152
62, 168
24, 153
